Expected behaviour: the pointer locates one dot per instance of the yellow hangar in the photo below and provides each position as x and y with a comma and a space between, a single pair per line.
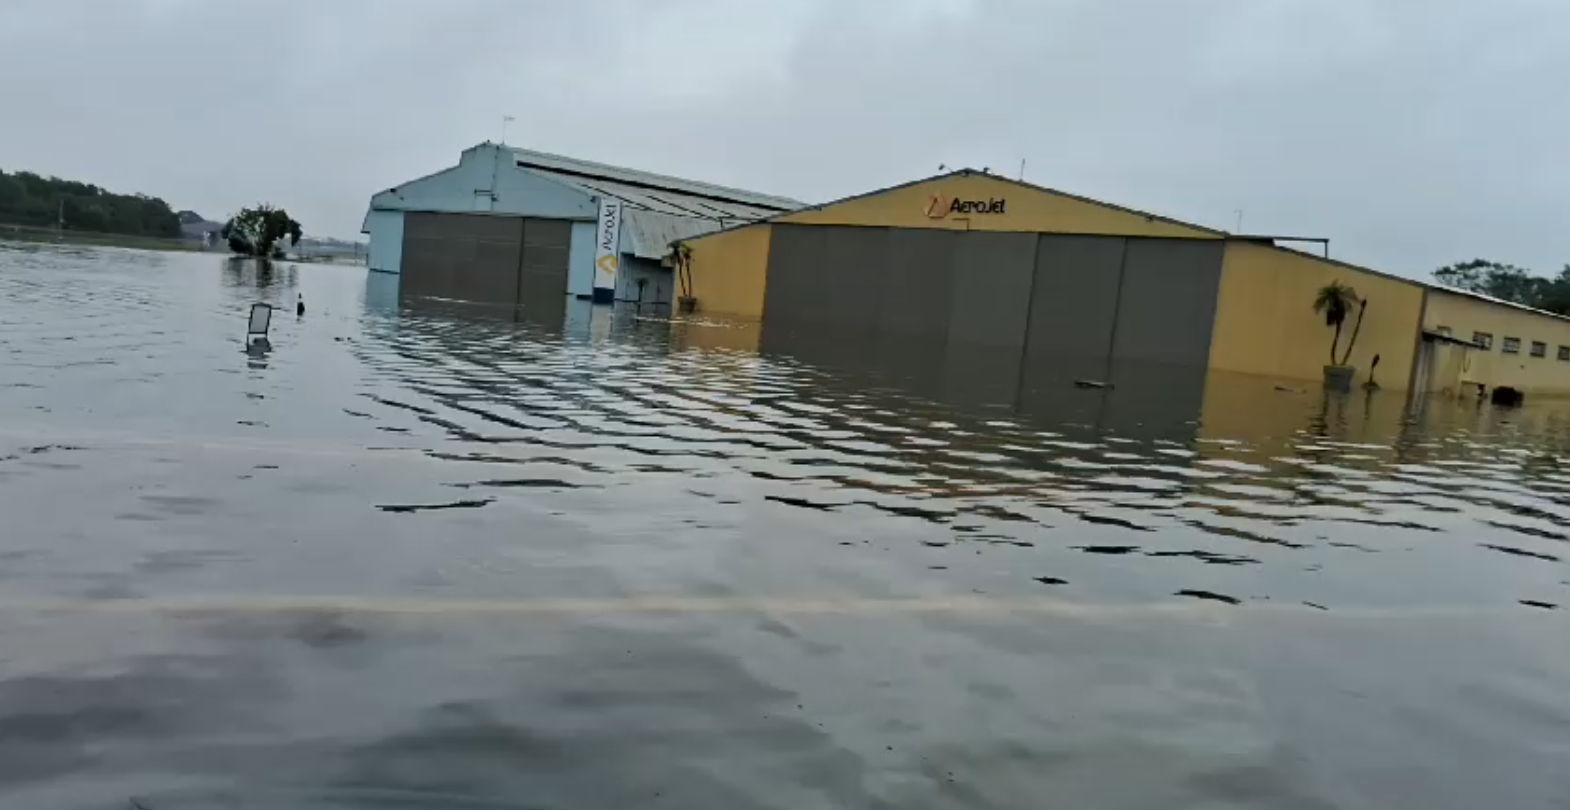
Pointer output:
986, 270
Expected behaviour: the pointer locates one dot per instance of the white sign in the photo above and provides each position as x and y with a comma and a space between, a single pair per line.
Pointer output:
261, 317
607, 244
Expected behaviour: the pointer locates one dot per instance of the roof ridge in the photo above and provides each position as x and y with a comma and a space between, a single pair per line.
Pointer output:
614, 173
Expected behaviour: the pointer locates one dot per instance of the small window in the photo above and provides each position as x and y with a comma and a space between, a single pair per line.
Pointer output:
1539, 348
1483, 339
1564, 353
1512, 345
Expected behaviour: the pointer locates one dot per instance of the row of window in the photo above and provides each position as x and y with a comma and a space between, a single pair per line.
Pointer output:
1512, 345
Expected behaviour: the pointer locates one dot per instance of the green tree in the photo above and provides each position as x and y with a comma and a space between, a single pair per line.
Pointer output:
31, 199
12, 192
258, 231
1503, 281
1555, 293
1335, 301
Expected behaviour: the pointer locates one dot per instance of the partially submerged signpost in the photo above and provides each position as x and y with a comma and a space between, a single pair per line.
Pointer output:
256, 329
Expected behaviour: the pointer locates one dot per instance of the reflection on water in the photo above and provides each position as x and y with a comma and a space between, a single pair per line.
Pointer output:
564, 559
1132, 398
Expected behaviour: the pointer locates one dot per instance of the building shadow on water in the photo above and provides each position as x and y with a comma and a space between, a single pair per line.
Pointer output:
468, 327
1147, 400
1002, 407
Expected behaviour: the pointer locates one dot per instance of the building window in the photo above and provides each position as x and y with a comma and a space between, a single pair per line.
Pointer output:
1484, 340
1564, 353
1512, 345
1539, 348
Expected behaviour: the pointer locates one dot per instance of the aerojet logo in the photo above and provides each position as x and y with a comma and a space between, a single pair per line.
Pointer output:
610, 219
942, 206
607, 241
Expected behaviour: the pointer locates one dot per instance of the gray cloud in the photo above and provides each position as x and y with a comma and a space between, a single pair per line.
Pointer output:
1411, 132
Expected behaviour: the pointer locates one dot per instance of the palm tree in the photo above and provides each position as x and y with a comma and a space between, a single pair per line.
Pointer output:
1335, 300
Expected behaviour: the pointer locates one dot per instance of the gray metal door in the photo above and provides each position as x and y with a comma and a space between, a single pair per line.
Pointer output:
542, 267
429, 252
1167, 302
465, 257
486, 259
490, 276
825, 277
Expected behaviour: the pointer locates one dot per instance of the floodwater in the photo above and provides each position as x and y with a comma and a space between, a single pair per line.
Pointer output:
423, 557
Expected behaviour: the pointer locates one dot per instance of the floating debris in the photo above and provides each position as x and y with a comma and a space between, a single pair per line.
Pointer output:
803, 503
541, 483
405, 508
1209, 596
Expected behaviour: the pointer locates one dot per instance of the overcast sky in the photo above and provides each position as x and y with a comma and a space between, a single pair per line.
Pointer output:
1410, 132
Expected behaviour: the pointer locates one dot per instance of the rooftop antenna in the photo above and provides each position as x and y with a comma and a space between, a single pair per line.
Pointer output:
1239, 228
506, 119
1022, 170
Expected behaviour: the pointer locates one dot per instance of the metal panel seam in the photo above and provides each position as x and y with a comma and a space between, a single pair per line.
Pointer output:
1030, 311
1117, 308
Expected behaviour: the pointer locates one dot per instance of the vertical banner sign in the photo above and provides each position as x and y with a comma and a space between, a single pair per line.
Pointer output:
607, 244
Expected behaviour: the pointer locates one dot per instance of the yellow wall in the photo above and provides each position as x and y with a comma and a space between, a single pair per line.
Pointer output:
730, 270
1265, 320
1025, 209
1465, 315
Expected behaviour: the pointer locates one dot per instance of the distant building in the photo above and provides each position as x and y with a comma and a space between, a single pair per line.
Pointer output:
515, 226
198, 228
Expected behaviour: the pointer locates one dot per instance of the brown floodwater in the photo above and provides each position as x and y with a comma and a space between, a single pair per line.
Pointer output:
428, 556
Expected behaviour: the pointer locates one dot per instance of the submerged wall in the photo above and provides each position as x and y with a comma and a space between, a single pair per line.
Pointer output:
1266, 324
385, 251
729, 271
1470, 318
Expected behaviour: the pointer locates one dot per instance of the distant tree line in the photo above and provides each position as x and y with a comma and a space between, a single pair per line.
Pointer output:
31, 199
1510, 283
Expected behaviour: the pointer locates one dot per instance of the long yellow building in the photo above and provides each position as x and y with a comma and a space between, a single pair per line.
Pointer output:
988, 270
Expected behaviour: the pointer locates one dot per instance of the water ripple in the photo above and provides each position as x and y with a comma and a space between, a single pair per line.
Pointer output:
629, 599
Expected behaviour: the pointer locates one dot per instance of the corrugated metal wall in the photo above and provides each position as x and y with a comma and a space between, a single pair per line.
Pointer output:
542, 273
1002, 317
486, 259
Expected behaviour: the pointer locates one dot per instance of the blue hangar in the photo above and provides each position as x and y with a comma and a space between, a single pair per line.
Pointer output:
519, 227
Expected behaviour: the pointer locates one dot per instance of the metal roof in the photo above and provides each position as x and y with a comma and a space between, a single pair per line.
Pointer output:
649, 234
656, 192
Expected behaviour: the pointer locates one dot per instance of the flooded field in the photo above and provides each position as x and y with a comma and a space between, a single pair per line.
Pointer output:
434, 558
